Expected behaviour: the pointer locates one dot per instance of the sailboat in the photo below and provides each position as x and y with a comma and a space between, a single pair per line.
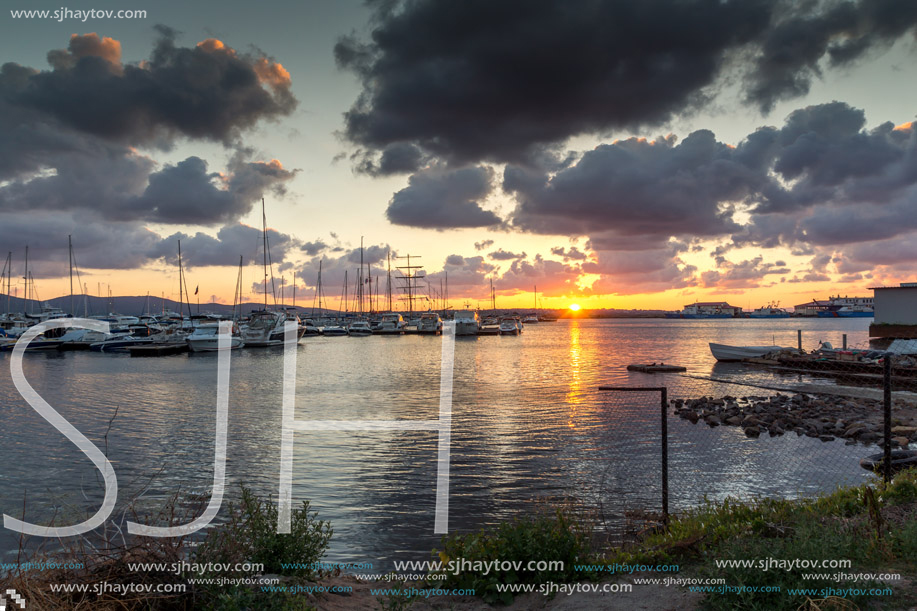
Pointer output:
265, 328
532, 317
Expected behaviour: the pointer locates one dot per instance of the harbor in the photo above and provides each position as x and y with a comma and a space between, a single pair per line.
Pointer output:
529, 423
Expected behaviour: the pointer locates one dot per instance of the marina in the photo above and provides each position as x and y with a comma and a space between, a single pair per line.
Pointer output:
528, 423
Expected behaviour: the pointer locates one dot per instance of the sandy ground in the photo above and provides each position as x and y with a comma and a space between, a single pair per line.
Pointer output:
642, 597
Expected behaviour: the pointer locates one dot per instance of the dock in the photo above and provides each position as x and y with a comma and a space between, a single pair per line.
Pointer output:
656, 368
158, 349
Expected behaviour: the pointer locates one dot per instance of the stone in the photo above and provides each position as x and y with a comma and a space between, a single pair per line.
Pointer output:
734, 420
752, 431
826, 437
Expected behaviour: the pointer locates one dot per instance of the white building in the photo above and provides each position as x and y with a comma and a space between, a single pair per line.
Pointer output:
896, 311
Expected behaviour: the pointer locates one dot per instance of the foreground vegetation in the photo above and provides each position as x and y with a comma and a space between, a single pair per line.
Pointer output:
874, 526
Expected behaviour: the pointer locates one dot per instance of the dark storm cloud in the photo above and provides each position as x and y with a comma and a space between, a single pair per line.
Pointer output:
626, 272
637, 188
438, 198
313, 248
822, 178
209, 91
487, 80
96, 244
231, 242
807, 35
745, 274
478, 80
121, 186
374, 255
466, 275
69, 136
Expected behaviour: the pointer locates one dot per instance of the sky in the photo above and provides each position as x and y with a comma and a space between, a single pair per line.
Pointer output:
617, 154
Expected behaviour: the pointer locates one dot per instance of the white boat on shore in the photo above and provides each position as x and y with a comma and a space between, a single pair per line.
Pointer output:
726, 353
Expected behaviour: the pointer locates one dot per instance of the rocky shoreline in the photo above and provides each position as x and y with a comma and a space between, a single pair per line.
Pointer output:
822, 416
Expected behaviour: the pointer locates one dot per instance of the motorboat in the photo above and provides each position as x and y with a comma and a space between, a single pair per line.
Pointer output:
467, 322
359, 328
263, 329
510, 326
309, 329
430, 324
726, 353
334, 329
392, 324
489, 326
206, 338
530, 319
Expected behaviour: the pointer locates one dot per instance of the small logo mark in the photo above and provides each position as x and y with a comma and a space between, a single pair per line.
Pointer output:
14, 596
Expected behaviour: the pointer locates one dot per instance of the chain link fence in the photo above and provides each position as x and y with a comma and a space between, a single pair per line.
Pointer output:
787, 425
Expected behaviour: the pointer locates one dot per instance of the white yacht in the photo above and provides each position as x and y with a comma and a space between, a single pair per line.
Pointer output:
430, 324
263, 329
205, 338
392, 324
467, 322
510, 325
360, 328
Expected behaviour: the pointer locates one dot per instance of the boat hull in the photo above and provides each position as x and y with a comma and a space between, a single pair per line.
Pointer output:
727, 354
846, 314
212, 344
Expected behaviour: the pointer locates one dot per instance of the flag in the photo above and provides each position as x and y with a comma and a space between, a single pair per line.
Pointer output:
195, 288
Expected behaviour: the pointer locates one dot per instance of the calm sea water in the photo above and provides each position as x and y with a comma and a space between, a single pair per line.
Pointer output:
528, 424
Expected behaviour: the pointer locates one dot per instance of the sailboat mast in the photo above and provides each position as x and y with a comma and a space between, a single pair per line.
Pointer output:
388, 287
360, 277
264, 249
9, 279
70, 252
26, 279
181, 295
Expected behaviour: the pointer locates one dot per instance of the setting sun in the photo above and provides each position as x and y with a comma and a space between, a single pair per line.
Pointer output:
574, 307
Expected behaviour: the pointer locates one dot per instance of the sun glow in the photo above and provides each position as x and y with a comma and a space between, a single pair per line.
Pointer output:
574, 307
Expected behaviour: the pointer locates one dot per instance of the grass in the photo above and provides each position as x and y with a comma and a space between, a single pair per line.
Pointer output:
556, 535
874, 526
247, 536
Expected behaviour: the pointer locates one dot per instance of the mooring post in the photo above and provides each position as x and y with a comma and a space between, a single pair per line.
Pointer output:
799, 339
845, 341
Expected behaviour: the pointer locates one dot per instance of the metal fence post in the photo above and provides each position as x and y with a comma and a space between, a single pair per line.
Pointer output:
665, 455
887, 461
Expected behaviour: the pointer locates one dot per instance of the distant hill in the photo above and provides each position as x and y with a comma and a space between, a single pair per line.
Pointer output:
87, 305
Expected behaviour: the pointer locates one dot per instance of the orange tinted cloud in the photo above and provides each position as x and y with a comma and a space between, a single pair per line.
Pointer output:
213, 45
87, 45
905, 127
272, 73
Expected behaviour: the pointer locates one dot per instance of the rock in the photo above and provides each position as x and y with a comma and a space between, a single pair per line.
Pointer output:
734, 420
900, 441
692, 416
752, 431
826, 437
904, 431
712, 421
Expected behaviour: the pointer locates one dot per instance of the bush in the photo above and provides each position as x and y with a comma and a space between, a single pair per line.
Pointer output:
250, 535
